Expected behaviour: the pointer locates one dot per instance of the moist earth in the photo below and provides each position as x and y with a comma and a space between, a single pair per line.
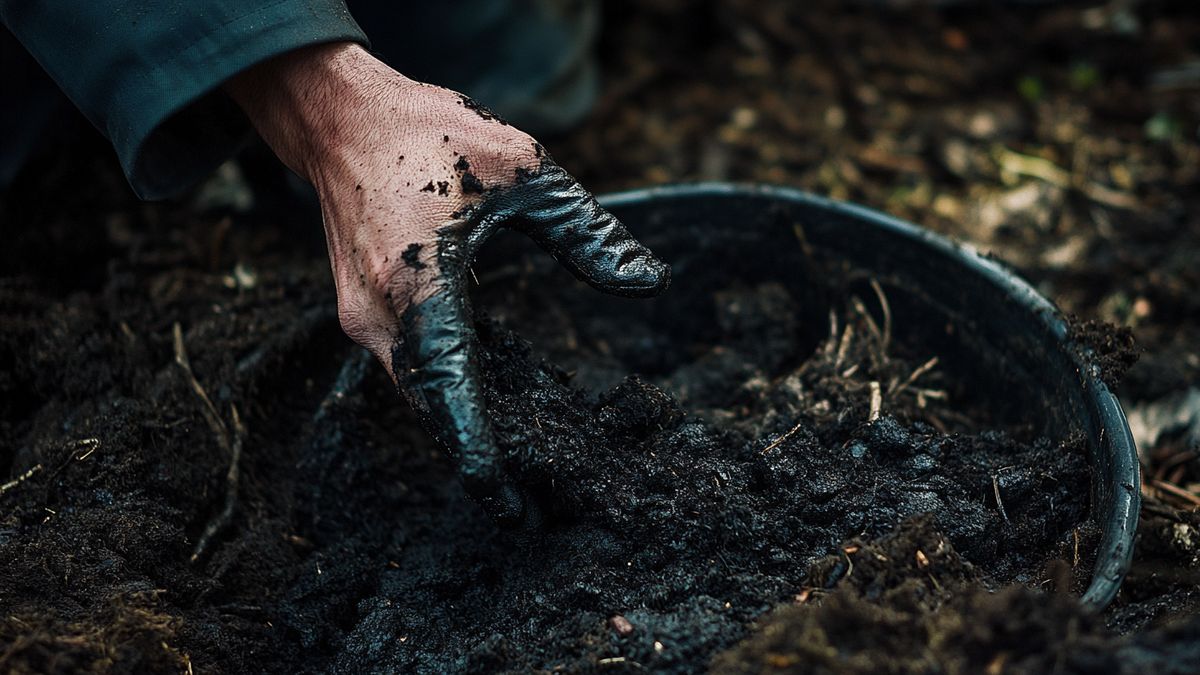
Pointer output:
914, 605
965, 119
670, 509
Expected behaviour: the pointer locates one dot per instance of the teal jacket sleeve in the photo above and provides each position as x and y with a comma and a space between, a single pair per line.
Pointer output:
147, 73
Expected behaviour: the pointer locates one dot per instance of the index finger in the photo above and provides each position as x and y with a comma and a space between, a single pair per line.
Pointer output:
436, 368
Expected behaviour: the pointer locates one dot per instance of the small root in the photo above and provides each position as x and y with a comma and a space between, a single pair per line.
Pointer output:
999, 502
923, 396
230, 442
844, 345
916, 374
218, 524
20, 479
88, 445
872, 325
886, 308
833, 332
1177, 492
876, 401
782, 438
210, 410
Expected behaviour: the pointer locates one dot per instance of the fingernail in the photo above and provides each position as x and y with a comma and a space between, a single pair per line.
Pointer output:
647, 276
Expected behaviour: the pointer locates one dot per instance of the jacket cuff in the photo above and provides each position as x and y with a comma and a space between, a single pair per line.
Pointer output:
174, 125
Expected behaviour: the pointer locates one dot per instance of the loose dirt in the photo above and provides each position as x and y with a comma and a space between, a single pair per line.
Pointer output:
688, 472
957, 119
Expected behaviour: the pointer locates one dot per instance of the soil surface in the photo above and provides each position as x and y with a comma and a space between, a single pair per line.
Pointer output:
704, 477
912, 604
675, 506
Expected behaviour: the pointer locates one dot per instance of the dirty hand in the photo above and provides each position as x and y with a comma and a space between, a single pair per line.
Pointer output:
412, 178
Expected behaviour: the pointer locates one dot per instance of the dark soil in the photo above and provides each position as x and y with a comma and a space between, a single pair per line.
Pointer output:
1114, 347
948, 116
687, 501
912, 604
352, 544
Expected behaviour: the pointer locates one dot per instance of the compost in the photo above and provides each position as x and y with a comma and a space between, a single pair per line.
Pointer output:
1055, 135
684, 466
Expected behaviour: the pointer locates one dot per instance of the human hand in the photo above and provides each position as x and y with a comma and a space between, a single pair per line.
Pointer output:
412, 179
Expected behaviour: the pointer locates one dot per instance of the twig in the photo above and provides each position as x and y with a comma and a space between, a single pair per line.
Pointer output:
866, 315
1029, 165
210, 410
923, 396
218, 524
876, 401
1176, 491
1173, 461
999, 502
833, 332
231, 443
621, 661
20, 479
92, 445
782, 438
844, 345
1177, 475
88, 445
916, 373
887, 312
349, 378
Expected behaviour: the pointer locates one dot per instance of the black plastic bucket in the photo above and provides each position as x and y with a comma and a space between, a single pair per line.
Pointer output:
987, 322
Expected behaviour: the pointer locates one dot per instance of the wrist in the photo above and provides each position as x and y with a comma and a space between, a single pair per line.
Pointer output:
311, 105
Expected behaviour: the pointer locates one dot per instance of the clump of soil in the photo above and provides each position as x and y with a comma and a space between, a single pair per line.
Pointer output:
1112, 346
909, 603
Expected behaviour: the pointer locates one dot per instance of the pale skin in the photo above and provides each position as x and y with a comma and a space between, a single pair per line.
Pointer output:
411, 179
371, 141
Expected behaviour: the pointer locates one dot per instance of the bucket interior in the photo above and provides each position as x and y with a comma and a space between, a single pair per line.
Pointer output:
989, 326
